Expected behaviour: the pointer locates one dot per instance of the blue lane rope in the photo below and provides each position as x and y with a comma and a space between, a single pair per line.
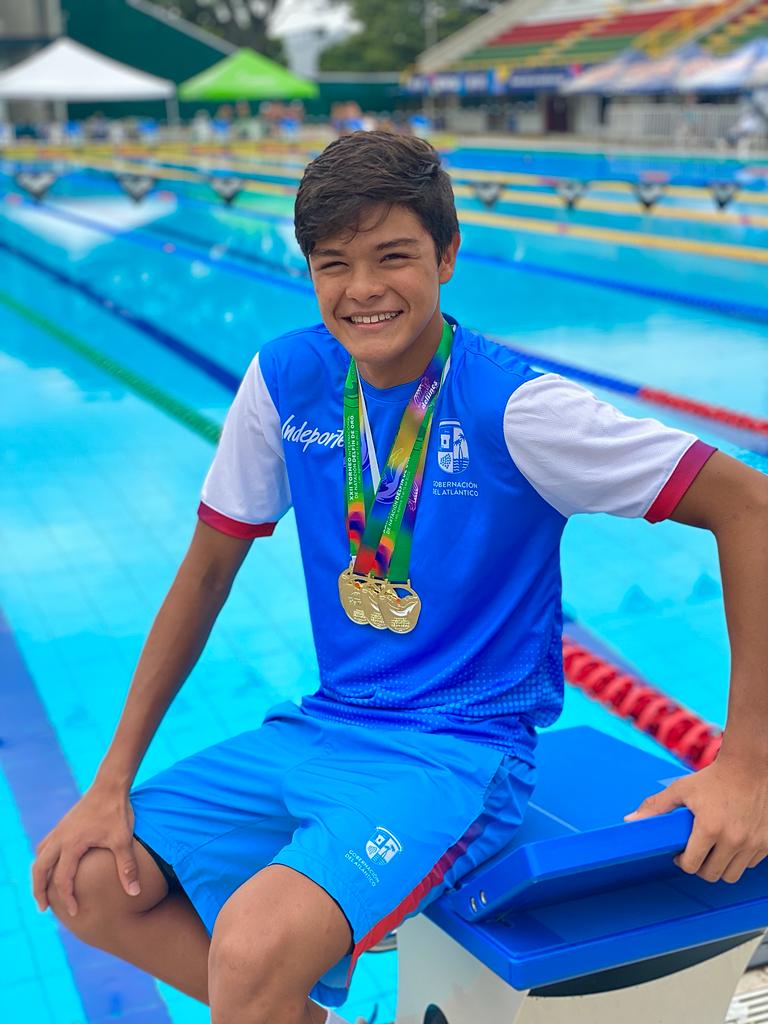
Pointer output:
180, 348
741, 310
575, 372
147, 241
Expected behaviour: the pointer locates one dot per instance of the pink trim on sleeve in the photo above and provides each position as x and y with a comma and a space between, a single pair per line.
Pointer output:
233, 527
683, 475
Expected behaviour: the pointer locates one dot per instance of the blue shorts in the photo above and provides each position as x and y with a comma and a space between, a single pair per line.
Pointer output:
383, 820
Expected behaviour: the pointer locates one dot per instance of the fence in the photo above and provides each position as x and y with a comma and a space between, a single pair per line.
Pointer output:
685, 125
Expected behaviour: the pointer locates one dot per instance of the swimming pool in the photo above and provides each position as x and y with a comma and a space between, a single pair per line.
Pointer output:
124, 330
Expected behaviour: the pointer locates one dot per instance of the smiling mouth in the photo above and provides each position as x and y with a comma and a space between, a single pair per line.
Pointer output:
372, 318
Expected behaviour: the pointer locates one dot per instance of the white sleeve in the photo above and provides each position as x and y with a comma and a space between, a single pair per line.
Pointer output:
246, 490
583, 455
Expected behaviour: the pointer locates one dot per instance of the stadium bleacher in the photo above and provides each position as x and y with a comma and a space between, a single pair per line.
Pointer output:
742, 28
584, 32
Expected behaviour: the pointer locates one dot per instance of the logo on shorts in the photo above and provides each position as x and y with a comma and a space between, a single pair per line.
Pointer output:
452, 448
382, 846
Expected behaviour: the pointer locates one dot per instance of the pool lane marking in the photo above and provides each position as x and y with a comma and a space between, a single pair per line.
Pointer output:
179, 411
630, 239
197, 359
463, 179
147, 241
618, 206
532, 198
744, 310
535, 199
196, 177
725, 307
29, 751
751, 431
717, 418
461, 175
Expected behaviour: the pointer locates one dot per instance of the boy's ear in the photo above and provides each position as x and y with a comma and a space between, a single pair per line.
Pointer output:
447, 264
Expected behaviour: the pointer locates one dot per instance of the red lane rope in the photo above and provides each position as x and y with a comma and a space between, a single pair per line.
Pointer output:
676, 728
712, 412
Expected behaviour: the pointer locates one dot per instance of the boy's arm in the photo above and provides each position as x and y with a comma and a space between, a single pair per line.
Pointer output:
174, 644
729, 798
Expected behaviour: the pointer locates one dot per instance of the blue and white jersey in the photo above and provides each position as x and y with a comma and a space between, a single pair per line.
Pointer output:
511, 455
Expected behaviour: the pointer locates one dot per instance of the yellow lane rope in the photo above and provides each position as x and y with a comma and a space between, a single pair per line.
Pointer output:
592, 204
741, 253
187, 153
617, 206
637, 240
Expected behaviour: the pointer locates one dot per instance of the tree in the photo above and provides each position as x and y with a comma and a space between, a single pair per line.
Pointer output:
395, 32
240, 22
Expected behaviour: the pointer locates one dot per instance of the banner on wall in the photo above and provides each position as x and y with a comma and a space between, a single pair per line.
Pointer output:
453, 83
494, 81
538, 79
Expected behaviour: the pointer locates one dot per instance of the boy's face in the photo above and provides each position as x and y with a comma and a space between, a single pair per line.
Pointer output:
389, 272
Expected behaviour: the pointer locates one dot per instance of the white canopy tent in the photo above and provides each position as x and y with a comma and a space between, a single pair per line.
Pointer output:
66, 71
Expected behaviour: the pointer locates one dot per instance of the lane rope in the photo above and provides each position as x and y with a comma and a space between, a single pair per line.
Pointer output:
182, 413
726, 307
692, 406
679, 730
754, 427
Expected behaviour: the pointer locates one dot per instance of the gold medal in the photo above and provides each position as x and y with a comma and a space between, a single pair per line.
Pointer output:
370, 591
349, 595
399, 612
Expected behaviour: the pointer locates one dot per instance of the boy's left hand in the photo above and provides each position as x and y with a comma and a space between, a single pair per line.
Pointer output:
729, 803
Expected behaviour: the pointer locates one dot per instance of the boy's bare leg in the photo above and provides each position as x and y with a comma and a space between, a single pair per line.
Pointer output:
160, 933
262, 975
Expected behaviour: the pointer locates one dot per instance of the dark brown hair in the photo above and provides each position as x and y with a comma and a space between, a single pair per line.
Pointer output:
367, 169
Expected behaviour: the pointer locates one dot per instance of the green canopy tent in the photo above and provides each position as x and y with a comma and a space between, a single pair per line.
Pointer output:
246, 75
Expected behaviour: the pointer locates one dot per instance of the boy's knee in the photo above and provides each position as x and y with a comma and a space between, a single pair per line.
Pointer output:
92, 889
252, 972
101, 899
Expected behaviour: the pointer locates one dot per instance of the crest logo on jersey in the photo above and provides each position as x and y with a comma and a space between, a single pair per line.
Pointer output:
452, 448
382, 846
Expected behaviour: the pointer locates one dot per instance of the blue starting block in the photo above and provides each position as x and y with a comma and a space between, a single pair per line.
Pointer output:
585, 918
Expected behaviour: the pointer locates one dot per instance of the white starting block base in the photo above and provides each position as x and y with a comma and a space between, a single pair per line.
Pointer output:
436, 970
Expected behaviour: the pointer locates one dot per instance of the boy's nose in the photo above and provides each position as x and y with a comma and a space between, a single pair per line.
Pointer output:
364, 285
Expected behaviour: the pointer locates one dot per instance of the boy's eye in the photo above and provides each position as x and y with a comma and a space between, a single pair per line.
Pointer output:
396, 256
331, 265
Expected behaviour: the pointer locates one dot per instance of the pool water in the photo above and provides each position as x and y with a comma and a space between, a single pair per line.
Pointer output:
123, 330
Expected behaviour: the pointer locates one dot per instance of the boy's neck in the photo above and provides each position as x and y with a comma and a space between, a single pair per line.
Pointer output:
410, 365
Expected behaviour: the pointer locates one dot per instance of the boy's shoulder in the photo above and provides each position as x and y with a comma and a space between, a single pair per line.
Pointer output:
312, 351
314, 338
491, 361
302, 359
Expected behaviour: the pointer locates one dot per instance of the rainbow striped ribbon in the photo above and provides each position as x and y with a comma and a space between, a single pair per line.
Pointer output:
380, 526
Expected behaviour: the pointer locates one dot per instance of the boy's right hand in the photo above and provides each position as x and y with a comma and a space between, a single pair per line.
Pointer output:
103, 817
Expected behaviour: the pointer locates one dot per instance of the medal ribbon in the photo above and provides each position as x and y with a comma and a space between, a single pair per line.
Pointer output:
381, 526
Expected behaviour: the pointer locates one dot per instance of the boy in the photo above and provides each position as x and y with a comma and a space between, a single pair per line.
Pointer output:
431, 473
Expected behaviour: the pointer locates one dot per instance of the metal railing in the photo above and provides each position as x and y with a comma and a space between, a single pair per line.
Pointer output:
700, 126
